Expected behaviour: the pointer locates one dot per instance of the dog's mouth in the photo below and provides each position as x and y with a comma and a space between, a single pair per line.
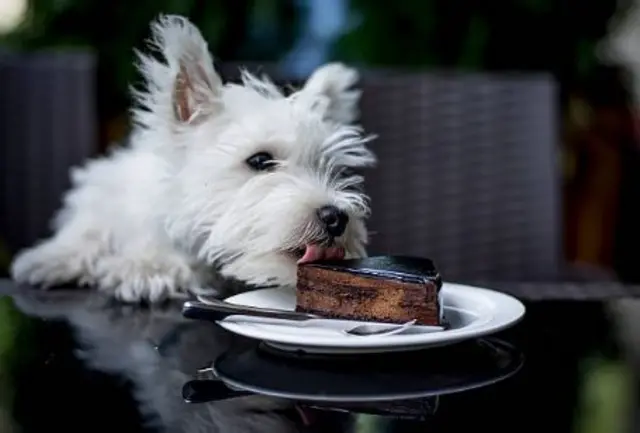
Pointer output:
314, 253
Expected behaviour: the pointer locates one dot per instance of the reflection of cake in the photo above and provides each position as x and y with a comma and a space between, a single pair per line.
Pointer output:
376, 289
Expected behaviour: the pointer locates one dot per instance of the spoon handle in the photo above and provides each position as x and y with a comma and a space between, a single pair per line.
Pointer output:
216, 310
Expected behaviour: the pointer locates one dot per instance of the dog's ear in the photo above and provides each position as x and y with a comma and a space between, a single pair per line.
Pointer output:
332, 85
184, 89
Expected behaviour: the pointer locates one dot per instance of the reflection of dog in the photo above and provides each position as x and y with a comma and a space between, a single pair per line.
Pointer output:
238, 177
121, 340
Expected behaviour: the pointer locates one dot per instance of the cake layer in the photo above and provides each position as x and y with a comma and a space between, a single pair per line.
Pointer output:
382, 289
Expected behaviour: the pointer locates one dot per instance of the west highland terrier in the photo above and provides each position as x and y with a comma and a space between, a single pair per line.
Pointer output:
236, 180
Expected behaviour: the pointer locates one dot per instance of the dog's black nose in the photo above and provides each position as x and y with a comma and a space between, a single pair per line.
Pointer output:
334, 220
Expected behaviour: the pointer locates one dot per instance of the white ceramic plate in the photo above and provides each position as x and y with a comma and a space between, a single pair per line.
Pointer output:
471, 311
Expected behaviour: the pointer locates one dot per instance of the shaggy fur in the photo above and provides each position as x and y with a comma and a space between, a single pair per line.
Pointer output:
156, 219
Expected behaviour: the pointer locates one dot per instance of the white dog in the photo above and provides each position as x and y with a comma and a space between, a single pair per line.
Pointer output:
219, 179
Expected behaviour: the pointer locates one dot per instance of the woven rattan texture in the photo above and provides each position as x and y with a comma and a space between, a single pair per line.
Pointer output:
48, 123
467, 173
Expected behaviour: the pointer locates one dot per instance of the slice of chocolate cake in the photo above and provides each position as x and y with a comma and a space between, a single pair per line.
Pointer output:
374, 289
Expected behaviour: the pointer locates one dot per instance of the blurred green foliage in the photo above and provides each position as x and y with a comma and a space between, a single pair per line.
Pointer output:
240, 29
14, 328
499, 35
605, 397
548, 35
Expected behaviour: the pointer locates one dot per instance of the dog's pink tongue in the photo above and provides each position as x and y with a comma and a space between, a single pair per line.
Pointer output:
314, 253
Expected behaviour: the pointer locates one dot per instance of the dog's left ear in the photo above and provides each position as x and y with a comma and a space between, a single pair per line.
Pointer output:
184, 89
332, 85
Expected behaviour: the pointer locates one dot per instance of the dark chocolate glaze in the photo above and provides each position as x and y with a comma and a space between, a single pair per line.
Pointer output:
404, 268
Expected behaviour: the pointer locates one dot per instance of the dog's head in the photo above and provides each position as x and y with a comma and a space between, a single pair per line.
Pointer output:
256, 180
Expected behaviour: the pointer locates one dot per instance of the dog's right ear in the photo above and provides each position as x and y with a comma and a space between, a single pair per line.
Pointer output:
332, 85
184, 89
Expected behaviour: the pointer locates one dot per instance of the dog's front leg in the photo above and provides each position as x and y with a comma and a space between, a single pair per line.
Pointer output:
151, 272
65, 258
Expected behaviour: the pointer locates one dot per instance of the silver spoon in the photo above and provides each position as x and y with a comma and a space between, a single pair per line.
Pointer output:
366, 330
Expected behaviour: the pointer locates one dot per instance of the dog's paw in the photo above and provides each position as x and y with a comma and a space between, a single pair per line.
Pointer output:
47, 266
145, 279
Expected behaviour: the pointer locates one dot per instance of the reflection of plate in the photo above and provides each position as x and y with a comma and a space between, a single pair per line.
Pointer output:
472, 312
378, 378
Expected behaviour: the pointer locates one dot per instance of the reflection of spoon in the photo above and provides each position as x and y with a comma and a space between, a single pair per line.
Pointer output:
204, 391
206, 387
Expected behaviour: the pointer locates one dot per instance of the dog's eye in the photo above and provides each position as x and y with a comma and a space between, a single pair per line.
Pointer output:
261, 161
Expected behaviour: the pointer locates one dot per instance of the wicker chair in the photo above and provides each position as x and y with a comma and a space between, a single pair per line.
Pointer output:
468, 176
466, 173
48, 123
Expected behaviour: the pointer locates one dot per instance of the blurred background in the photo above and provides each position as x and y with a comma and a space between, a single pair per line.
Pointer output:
508, 135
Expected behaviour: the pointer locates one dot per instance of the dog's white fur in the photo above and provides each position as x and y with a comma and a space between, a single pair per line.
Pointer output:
152, 220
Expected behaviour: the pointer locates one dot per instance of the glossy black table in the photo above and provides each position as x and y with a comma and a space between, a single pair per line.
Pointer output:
74, 360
